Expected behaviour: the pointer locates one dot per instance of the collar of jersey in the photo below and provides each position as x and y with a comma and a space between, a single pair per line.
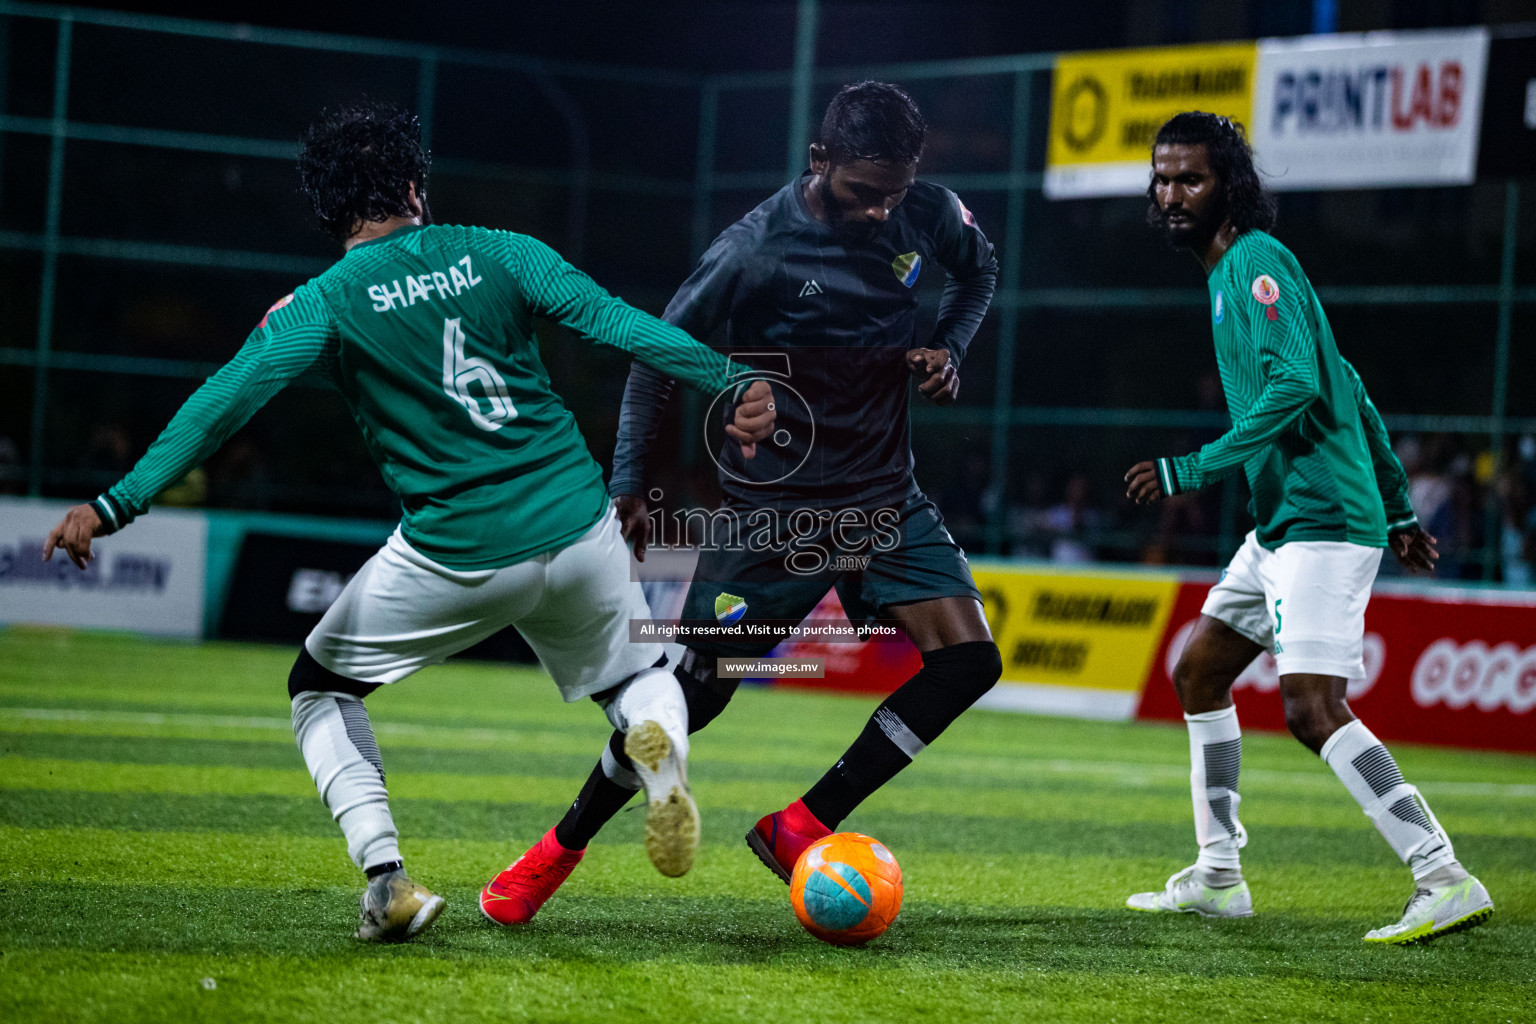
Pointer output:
798, 188
396, 234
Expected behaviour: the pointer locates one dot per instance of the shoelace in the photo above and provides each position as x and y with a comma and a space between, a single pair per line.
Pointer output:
1418, 894
533, 875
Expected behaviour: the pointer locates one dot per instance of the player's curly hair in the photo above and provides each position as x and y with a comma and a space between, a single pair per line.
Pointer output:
1250, 205
873, 121
357, 163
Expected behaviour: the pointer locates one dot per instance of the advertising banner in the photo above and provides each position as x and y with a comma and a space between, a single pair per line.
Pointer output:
148, 578
1456, 668
1379, 109
282, 585
1074, 642
1106, 106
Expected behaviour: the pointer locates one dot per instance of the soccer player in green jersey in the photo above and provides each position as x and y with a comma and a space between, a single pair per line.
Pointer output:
427, 332
1328, 495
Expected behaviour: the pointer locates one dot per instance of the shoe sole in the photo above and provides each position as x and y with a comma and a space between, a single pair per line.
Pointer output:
671, 817
764, 854
1183, 910
425, 916
1418, 936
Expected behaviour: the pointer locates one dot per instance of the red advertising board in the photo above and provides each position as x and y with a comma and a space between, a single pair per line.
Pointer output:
1450, 667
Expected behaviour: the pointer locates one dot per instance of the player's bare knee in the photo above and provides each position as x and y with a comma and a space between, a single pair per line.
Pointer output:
1198, 686
1310, 720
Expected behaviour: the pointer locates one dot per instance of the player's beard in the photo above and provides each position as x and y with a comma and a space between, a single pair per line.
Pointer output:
1197, 231
845, 229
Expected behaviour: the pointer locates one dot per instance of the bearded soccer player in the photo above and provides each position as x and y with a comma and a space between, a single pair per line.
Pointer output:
427, 332
817, 282
1328, 495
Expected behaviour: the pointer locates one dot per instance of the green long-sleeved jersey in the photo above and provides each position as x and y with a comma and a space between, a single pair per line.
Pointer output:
1317, 456
428, 335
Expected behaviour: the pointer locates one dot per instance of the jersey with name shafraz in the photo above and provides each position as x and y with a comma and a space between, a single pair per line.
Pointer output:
1316, 454
428, 333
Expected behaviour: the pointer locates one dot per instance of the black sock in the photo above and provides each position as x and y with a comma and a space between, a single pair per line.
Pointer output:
600, 799
951, 680
384, 869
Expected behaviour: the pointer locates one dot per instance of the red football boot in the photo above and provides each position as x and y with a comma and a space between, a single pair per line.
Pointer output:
515, 895
781, 837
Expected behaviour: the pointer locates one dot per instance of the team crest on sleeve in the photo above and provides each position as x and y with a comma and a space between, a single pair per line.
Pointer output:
907, 267
279, 304
1265, 290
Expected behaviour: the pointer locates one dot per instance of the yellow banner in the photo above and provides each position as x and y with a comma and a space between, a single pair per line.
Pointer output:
1076, 628
1106, 106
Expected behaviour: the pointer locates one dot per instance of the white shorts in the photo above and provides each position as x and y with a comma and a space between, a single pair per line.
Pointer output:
403, 611
1305, 602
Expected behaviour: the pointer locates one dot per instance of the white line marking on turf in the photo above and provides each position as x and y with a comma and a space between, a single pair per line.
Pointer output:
1129, 773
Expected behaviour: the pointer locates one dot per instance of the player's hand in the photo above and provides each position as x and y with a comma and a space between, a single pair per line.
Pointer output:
634, 522
74, 534
937, 378
1142, 485
1415, 549
754, 418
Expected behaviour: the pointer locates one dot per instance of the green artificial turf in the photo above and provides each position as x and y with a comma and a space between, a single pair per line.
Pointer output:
163, 856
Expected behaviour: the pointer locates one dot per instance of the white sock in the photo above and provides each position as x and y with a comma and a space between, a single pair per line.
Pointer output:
337, 741
1215, 758
1399, 813
652, 695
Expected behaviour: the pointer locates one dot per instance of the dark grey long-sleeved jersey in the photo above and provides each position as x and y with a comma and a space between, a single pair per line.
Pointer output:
832, 319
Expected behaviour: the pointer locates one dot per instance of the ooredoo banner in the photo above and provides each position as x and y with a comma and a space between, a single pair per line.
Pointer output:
148, 578
1379, 109
1449, 667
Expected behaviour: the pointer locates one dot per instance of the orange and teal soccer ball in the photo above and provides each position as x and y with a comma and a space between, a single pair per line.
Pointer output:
846, 888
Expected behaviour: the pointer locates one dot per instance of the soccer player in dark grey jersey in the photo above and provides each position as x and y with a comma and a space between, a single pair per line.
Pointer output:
427, 333
817, 286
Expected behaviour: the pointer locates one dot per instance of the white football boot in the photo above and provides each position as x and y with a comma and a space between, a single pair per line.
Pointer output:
1438, 911
671, 817
1185, 893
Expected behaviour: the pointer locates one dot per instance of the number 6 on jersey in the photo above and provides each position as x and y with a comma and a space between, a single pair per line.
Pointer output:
459, 370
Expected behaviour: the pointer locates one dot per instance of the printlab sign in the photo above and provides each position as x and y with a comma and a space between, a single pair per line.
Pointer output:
1368, 111
149, 578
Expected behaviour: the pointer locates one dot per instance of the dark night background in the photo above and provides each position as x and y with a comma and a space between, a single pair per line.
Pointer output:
504, 157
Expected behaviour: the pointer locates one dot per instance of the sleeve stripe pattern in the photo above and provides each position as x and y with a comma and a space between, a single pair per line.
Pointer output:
106, 510
299, 337
1403, 524
1166, 478
557, 290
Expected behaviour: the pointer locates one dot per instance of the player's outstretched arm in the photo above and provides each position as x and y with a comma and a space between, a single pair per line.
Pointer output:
559, 291
295, 336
